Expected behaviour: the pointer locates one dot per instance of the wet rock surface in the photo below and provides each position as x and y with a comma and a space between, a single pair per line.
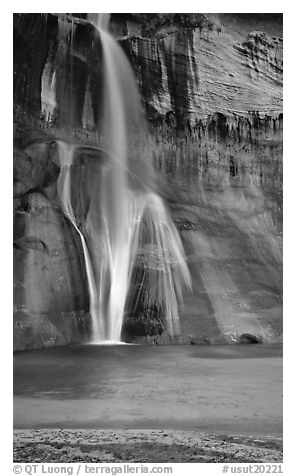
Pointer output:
212, 90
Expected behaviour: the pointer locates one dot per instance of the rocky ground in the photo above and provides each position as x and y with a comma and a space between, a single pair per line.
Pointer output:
142, 446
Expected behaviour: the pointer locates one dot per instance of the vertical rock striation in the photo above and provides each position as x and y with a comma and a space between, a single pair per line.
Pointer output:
212, 89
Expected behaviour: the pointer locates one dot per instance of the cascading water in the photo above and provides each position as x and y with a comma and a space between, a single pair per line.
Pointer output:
133, 217
66, 156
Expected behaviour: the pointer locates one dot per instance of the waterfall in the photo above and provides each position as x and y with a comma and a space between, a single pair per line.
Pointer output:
66, 157
132, 215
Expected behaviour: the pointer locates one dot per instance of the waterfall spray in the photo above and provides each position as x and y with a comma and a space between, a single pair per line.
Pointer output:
130, 211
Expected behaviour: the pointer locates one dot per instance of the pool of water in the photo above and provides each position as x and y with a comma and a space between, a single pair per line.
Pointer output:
236, 388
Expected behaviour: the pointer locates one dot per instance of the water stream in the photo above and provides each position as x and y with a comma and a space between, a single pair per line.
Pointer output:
134, 223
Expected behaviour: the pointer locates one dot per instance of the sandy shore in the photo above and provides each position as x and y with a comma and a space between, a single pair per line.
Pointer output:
143, 446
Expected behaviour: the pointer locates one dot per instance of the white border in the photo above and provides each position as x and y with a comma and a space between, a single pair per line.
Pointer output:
289, 188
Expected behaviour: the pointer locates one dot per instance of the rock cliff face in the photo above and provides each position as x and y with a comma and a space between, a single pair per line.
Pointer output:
212, 90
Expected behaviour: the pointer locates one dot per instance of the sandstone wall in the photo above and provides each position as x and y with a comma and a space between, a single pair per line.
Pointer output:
212, 90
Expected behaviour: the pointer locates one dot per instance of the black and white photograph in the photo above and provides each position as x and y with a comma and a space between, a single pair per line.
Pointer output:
147, 242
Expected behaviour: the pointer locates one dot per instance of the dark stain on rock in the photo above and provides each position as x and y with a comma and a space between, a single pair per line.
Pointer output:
250, 339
